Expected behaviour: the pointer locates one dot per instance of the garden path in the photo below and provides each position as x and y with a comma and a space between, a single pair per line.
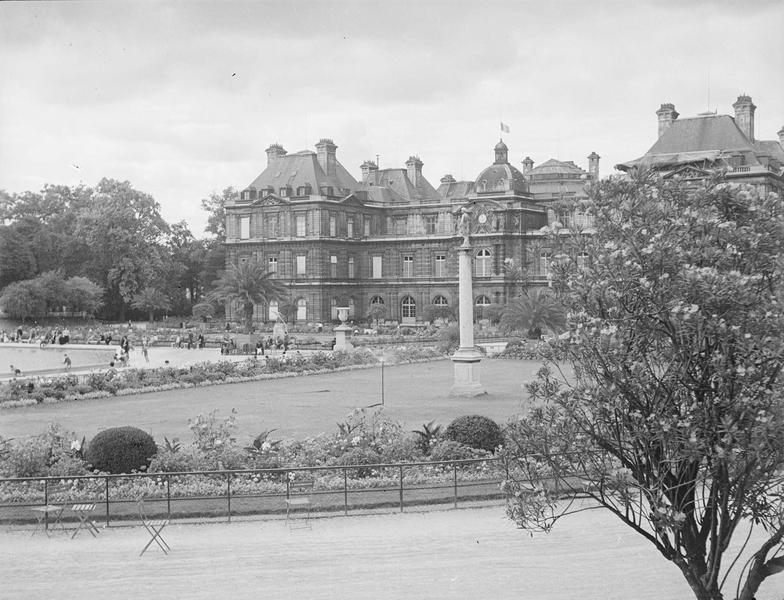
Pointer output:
296, 406
458, 554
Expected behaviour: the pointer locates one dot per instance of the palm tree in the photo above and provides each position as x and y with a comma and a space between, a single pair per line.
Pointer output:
150, 299
531, 311
247, 284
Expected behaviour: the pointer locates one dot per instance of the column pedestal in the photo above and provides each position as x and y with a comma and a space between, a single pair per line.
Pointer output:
466, 359
341, 343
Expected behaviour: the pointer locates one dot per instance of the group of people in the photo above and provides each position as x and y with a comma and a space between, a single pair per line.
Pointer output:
191, 342
44, 337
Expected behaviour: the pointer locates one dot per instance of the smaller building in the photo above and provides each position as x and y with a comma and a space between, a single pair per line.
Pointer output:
696, 146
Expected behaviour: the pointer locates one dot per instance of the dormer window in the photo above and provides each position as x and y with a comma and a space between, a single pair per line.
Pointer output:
285, 192
304, 190
327, 190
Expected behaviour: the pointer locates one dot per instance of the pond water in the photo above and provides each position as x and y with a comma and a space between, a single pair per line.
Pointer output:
31, 359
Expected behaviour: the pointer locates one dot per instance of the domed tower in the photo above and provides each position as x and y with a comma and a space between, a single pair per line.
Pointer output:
501, 177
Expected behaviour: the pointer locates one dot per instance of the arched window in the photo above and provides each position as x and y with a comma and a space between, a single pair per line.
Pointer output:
273, 310
302, 309
481, 302
440, 301
483, 263
408, 309
376, 300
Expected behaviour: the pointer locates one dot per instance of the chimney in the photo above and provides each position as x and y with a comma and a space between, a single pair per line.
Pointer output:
369, 173
744, 115
781, 137
274, 153
667, 114
325, 151
448, 179
593, 166
414, 167
528, 165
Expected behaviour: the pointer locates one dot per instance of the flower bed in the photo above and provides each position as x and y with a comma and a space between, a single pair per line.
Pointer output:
125, 382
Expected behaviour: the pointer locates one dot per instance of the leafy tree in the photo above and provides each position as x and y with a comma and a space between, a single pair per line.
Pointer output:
246, 285
376, 312
150, 300
215, 204
82, 295
533, 310
23, 299
438, 311
17, 260
671, 414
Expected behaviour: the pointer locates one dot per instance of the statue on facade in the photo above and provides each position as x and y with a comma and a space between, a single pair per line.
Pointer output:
464, 224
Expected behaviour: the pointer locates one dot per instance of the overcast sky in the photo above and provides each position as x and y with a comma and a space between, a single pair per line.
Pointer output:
182, 98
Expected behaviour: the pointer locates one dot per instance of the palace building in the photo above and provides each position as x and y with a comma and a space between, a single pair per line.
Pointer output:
390, 237
694, 147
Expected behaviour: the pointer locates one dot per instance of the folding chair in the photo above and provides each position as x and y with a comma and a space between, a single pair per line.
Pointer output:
84, 512
154, 528
298, 496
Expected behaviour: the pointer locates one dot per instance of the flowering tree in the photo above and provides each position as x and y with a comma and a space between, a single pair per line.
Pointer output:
663, 401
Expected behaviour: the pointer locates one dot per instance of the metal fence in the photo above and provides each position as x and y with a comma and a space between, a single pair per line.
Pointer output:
227, 494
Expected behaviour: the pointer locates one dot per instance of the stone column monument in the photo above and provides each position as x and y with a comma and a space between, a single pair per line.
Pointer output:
466, 359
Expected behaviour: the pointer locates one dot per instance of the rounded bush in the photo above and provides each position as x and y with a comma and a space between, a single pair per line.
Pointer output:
121, 450
359, 456
475, 431
449, 450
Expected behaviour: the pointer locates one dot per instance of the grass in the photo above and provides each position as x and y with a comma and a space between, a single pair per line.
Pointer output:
297, 407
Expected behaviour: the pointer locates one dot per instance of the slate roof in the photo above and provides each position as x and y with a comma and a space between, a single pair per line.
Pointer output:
556, 167
394, 187
500, 178
705, 137
454, 190
303, 168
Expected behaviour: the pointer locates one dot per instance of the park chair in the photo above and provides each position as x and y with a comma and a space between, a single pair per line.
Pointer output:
298, 502
154, 528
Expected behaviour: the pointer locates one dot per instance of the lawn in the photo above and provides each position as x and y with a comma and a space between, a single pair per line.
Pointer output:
296, 406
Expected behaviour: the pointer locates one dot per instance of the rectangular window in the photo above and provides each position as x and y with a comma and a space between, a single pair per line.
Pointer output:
333, 226
300, 265
245, 227
333, 266
408, 266
430, 224
350, 228
300, 220
273, 264
440, 265
367, 227
377, 267
400, 226
351, 267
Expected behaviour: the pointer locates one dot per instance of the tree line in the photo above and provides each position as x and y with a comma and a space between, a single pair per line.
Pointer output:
104, 250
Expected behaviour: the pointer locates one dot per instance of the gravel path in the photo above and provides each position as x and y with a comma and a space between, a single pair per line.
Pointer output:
471, 554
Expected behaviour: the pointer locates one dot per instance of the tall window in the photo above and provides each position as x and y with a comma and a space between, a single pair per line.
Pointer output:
408, 309
545, 263
245, 227
273, 311
440, 265
300, 221
483, 263
376, 300
333, 266
482, 302
366, 224
301, 265
430, 224
302, 309
377, 267
440, 301
408, 266
351, 267
272, 264
333, 226
350, 227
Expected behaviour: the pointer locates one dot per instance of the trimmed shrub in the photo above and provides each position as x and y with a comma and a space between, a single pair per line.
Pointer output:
121, 450
450, 450
475, 431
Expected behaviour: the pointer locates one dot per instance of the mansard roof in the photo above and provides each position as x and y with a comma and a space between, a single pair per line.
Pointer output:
703, 138
394, 187
300, 169
552, 168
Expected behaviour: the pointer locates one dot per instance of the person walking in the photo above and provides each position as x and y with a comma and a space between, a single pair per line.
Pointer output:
67, 362
145, 351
